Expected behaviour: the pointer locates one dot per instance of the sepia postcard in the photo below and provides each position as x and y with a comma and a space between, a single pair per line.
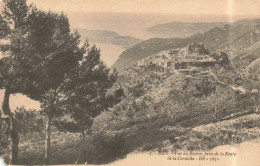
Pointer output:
130, 82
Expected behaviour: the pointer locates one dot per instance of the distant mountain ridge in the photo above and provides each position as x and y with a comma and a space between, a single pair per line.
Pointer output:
182, 29
104, 36
237, 36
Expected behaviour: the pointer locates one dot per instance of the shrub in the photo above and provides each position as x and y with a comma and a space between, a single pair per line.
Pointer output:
137, 90
104, 148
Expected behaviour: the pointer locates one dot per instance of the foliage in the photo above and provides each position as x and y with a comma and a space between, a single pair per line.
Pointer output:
87, 91
16, 72
4, 133
29, 121
137, 90
38, 53
205, 87
57, 52
104, 148
221, 57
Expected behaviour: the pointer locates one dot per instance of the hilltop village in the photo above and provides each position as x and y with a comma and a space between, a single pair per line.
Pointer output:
193, 56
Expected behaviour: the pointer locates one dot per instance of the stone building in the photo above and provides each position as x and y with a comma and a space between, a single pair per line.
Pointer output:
196, 48
193, 55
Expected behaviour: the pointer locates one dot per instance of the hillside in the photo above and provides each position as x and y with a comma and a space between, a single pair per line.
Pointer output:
254, 68
160, 111
103, 36
182, 29
236, 36
164, 111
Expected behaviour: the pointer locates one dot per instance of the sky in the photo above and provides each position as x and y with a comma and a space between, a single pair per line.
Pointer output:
2, 163
214, 7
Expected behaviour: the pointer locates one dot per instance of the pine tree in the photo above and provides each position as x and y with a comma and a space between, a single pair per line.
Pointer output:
38, 51
87, 93
58, 52
14, 69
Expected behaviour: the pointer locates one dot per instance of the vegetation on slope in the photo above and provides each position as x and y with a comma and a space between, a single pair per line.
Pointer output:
234, 36
163, 111
160, 111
